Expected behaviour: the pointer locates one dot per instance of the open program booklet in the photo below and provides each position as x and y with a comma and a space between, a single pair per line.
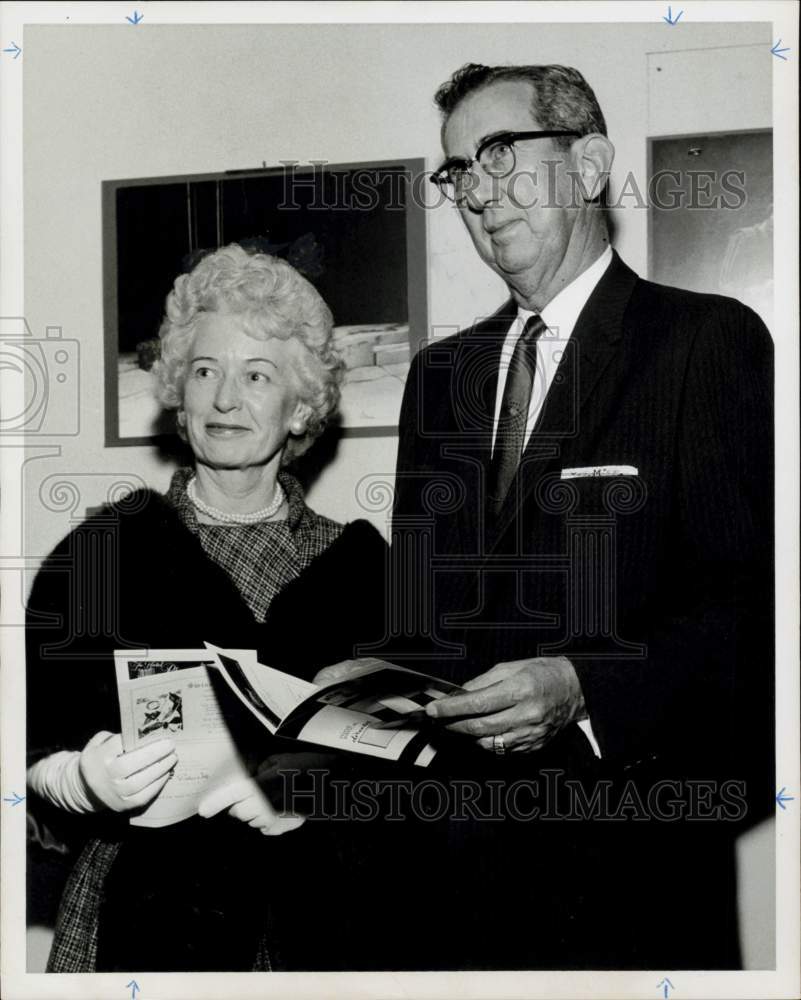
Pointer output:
377, 711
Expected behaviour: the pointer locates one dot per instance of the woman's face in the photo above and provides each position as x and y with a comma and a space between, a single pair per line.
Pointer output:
239, 397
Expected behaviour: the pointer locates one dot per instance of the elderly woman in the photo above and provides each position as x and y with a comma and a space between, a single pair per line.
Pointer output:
231, 555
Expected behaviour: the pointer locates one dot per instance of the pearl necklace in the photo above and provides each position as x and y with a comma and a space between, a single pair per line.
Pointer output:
220, 515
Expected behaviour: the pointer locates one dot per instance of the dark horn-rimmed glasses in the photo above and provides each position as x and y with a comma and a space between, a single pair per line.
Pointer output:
495, 156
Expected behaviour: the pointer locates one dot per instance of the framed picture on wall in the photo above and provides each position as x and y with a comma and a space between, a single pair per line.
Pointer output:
356, 231
711, 220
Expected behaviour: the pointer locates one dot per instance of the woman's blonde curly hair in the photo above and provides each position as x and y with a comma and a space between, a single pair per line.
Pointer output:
272, 300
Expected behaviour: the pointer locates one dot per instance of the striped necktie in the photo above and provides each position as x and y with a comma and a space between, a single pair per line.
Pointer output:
511, 432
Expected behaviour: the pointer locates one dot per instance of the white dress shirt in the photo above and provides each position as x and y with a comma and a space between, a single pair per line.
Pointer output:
559, 317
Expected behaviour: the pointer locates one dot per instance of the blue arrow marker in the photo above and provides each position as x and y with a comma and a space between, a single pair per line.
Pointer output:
17, 50
133, 986
670, 19
137, 17
775, 50
781, 798
16, 799
666, 983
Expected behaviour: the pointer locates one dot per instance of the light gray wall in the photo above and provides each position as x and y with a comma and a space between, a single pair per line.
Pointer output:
107, 102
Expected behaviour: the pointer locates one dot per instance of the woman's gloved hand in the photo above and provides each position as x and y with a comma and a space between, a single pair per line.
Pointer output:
124, 781
245, 800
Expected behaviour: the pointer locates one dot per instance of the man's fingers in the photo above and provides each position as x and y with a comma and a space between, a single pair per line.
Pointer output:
339, 671
137, 760
494, 698
495, 724
138, 781
533, 742
519, 740
492, 676
482, 681
499, 672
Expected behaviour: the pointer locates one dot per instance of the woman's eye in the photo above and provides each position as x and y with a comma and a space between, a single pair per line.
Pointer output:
258, 378
202, 372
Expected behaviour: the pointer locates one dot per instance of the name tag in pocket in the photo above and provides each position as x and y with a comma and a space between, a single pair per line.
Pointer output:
599, 471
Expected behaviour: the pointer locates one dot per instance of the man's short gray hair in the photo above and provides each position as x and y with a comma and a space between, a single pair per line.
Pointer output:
561, 97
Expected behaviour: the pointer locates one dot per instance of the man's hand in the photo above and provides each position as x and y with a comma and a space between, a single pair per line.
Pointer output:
527, 702
339, 672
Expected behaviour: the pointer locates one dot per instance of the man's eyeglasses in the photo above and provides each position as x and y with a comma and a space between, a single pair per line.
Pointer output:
495, 156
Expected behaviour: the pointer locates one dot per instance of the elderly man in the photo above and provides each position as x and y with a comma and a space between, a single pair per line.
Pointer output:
584, 516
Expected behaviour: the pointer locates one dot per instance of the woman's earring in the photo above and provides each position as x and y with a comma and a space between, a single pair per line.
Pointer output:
297, 427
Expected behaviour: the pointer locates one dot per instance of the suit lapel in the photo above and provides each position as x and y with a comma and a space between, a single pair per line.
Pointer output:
474, 387
587, 364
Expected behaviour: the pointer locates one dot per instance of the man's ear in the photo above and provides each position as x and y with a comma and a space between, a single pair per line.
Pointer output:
593, 156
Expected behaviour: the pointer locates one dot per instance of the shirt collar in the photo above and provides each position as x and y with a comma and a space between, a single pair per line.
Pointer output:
563, 310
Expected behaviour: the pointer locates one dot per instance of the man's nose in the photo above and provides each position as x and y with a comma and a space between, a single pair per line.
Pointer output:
482, 189
228, 395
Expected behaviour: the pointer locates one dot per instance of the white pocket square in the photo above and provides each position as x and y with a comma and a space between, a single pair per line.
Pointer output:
592, 471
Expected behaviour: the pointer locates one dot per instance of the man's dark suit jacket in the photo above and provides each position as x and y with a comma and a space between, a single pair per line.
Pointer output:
656, 585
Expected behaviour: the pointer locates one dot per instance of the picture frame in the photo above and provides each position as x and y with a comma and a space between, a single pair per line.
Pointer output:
356, 231
710, 221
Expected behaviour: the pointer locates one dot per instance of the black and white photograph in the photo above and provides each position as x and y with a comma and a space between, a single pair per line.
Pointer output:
152, 715
399, 441
355, 231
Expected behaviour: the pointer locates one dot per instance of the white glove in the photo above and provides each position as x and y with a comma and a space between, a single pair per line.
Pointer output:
245, 801
124, 781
